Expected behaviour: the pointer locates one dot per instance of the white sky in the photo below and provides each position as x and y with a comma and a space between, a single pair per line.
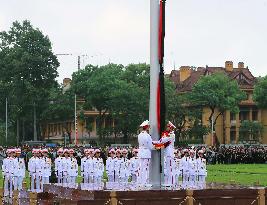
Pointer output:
198, 32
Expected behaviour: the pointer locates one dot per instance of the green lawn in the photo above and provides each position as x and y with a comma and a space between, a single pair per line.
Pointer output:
245, 174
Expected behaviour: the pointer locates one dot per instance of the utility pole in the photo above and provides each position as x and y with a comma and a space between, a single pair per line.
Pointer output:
6, 120
65, 54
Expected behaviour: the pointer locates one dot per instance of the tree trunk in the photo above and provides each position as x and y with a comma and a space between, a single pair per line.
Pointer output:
34, 123
18, 132
23, 130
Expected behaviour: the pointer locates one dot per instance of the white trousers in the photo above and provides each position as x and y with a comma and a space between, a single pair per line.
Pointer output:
134, 177
144, 171
8, 186
18, 180
36, 182
88, 178
72, 179
59, 177
113, 176
170, 170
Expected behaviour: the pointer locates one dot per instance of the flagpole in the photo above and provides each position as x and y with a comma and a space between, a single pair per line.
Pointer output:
155, 175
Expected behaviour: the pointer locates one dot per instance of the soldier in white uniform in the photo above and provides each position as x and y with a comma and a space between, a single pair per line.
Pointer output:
46, 171
185, 168
8, 169
192, 169
58, 166
134, 166
66, 165
117, 165
201, 170
87, 168
145, 147
124, 168
110, 168
177, 162
73, 172
35, 171
98, 170
19, 175
168, 139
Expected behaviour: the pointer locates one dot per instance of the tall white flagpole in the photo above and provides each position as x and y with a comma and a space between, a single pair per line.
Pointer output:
155, 176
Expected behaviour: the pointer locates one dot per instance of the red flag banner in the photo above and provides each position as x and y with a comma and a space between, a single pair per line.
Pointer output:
161, 107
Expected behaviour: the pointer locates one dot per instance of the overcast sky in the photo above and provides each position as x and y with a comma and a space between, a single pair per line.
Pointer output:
198, 32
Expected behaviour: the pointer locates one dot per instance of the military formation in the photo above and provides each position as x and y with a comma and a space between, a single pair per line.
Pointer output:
182, 168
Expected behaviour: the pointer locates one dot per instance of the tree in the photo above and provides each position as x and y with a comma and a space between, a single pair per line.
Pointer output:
217, 91
260, 92
186, 118
28, 69
250, 130
118, 93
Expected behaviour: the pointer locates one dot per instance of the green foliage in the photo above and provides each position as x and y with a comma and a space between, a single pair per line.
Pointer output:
250, 130
28, 72
118, 92
260, 93
217, 91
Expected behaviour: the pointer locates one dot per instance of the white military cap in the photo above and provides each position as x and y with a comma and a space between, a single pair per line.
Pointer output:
171, 125
145, 123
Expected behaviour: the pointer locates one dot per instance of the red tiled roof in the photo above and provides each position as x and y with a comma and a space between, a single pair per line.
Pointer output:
246, 82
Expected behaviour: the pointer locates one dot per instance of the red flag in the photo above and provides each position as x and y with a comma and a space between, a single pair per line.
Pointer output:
161, 107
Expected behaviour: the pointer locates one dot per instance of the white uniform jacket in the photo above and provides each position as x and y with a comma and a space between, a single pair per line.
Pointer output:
73, 172
134, 165
46, 172
35, 166
145, 145
110, 165
98, 167
184, 163
20, 167
124, 167
201, 167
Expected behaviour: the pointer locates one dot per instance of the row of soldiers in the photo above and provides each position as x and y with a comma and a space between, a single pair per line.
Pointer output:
120, 170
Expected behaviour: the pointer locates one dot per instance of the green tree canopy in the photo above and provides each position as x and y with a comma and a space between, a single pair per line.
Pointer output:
217, 91
260, 92
28, 71
250, 130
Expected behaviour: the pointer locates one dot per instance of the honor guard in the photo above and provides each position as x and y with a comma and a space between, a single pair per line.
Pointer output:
8, 169
66, 165
124, 167
117, 165
35, 171
87, 167
177, 164
110, 168
58, 166
145, 147
19, 174
185, 168
167, 142
46, 172
73, 172
192, 168
98, 169
201, 170
134, 166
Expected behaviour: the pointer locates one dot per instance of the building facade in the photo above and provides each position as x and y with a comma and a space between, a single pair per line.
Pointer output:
228, 125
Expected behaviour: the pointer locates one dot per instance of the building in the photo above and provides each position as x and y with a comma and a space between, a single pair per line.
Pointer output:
228, 125
59, 131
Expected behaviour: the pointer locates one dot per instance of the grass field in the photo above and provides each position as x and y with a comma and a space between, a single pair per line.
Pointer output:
245, 174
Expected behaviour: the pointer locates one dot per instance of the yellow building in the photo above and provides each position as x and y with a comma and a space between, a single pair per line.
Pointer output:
57, 131
228, 124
